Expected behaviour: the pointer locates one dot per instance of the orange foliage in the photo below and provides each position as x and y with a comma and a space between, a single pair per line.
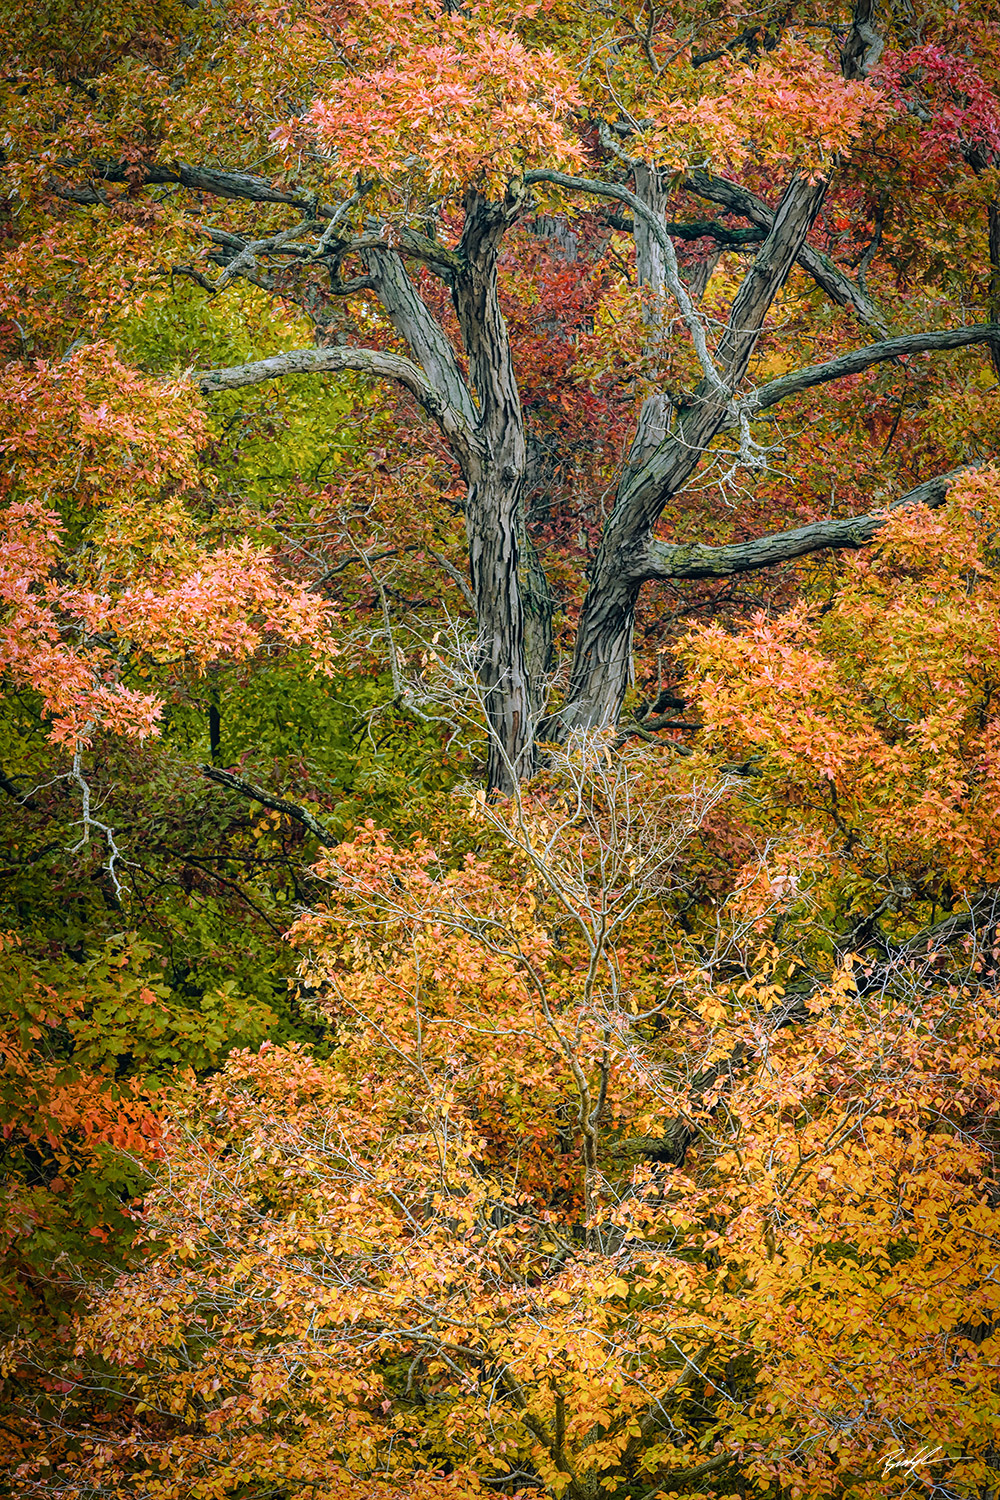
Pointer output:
871, 717
124, 447
408, 1267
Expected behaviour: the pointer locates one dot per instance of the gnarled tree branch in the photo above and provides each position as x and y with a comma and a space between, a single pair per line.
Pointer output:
266, 799
857, 360
379, 363
863, 46
663, 560
414, 322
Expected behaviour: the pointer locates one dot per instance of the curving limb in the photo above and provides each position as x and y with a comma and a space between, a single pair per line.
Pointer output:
665, 560
386, 366
856, 360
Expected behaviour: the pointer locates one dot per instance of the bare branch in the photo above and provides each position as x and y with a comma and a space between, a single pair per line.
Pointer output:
385, 366
627, 555
257, 794
240, 185
791, 222
857, 360
688, 1477
247, 186
337, 215
663, 560
455, 576
723, 234
417, 325
88, 821
10, 787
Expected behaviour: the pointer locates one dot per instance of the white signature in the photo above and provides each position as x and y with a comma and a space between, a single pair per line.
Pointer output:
898, 1459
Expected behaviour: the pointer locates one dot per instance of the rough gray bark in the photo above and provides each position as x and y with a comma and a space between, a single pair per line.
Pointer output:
483, 424
661, 560
837, 286
602, 658
657, 409
404, 372
494, 504
426, 339
857, 360
538, 605
480, 417
267, 799
863, 47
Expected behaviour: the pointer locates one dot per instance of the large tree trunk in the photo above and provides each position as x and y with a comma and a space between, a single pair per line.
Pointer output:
602, 658
493, 517
493, 525
539, 605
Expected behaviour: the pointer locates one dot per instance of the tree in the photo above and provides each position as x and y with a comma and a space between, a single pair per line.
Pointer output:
635, 1131
580, 1203
405, 144
655, 1153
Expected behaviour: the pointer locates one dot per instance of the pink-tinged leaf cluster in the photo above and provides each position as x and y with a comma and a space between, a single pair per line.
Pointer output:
52, 285
790, 108
948, 94
90, 428
461, 105
143, 589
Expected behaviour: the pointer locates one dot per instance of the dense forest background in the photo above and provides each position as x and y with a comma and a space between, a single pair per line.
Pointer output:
499, 750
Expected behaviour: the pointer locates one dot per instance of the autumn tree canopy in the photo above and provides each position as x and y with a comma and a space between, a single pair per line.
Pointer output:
399, 174
499, 750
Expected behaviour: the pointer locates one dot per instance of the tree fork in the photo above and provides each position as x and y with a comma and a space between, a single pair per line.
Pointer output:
602, 659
